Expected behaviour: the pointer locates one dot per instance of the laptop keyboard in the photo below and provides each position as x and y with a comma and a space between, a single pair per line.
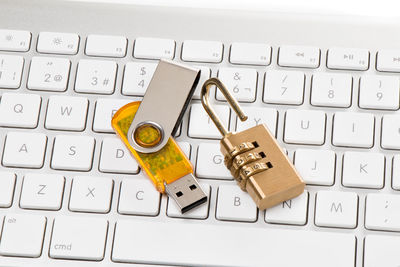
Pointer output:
334, 110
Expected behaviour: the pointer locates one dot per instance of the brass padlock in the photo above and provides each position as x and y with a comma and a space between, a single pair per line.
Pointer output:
254, 157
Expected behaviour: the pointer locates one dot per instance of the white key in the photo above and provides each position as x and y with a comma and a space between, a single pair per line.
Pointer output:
137, 76
293, 211
388, 60
96, 76
202, 51
204, 75
379, 92
363, 169
106, 45
233, 204
289, 248
200, 212
210, 162
348, 59
78, 238
396, 172
250, 54
284, 87
331, 90
73, 152
380, 250
241, 83
336, 209
24, 149
154, 48
13, 40
66, 113
390, 131
105, 110
7, 184
49, 74
200, 124
305, 127
382, 212
299, 56
19, 110
58, 43
42, 191
91, 194
116, 158
22, 235
353, 129
138, 196
316, 167
11, 71
256, 116
186, 148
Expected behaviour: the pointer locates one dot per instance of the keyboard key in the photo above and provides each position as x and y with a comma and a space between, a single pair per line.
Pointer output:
11, 71
58, 43
42, 191
96, 76
305, 127
353, 129
204, 75
250, 54
284, 87
78, 238
91, 194
186, 148
293, 211
382, 212
200, 124
73, 152
225, 248
22, 235
379, 92
233, 204
202, 51
363, 169
210, 163
381, 249
24, 150
348, 59
331, 90
66, 113
49, 74
116, 158
13, 40
106, 45
137, 76
105, 110
256, 116
200, 212
138, 197
19, 110
241, 83
388, 60
396, 172
336, 209
390, 131
316, 167
154, 48
299, 56
7, 184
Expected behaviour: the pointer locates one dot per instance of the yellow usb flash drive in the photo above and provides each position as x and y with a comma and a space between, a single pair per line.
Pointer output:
146, 128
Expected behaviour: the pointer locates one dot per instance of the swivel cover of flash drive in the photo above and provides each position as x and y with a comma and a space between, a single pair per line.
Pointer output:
147, 127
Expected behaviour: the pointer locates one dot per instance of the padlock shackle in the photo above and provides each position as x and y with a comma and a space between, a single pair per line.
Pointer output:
205, 92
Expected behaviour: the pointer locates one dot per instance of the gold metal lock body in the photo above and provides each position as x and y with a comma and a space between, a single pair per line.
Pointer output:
254, 157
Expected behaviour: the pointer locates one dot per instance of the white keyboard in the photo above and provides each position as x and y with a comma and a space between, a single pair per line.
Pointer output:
71, 195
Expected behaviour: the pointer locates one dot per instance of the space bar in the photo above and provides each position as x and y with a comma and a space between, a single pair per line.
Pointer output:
225, 245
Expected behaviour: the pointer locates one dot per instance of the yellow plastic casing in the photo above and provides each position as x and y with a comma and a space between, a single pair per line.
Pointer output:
165, 166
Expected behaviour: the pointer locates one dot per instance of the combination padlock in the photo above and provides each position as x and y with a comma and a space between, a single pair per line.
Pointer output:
254, 157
